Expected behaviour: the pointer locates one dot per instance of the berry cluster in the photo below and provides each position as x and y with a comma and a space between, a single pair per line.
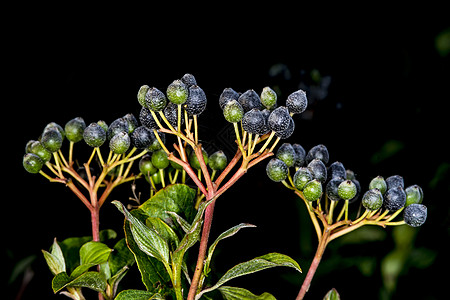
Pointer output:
326, 186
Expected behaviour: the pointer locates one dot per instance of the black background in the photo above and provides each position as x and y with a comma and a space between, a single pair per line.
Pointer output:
388, 83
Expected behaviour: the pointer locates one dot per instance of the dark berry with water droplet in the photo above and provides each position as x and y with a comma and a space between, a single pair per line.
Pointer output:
94, 135
146, 118
118, 125
249, 100
189, 80
415, 215
155, 100
319, 152
253, 121
227, 95
297, 102
284, 134
279, 119
196, 101
336, 169
395, 181
318, 169
394, 199
300, 155
132, 122
171, 114
142, 137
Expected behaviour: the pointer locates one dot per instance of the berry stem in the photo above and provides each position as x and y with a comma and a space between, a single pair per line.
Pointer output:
238, 137
267, 142
330, 212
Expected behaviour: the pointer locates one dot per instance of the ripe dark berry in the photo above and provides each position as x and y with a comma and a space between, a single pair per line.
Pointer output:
94, 135
313, 190
233, 111
358, 190
415, 215
155, 145
159, 159
189, 80
372, 199
146, 167
378, 183
141, 95
52, 139
300, 155
74, 129
347, 190
120, 142
32, 163
177, 92
395, 181
146, 118
414, 194
253, 121
118, 125
284, 134
301, 177
279, 119
38, 149
53, 125
217, 161
297, 102
196, 102
277, 170
287, 154
319, 152
336, 169
394, 199
142, 137
155, 100
227, 95
265, 129
269, 98
332, 188
131, 121
171, 114
193, 160
249, 100
318, 169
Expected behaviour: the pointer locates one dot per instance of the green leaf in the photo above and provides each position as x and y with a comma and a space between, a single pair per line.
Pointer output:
148, 240
93, 280
60, 281
163, 230
120, 257
235, 293
94, 253
114, 281
138, 295
257, 264
332, 295
55, 259
177, 198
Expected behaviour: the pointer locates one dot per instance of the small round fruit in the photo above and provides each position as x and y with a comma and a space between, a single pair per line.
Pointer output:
287, 154
53, 125
297, 102
32, 163
249, 100
94, 135
301, 177
131, 122
52, 139
227, 95
336, 170
196, 101
193, 160
141, 94
395, 181
279, 119
146, 118
284, 134
415, 215
159, 159
319, 152
103, 125
189, 80
253, 121
269, 98
156, 178
38, 149
372, 199
120, 142
177, 92
378, 183
318, 169
347, 190
118, 125
277, 170
156, 145
394, 199
218, 161
332, 188
74, 129
414, 194
313, 190
171, 114
145, 165
155, 100
142, 137
233, 111
300, 155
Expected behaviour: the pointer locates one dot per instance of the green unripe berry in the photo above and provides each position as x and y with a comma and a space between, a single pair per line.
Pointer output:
120, 142
38, 149
52, 139
141, 94
94, 135
378, 183
155, 145
32, 163
414, 194
53, 125
287, 154
313, 190
131, 122
156, 178
277, 170
233, 111
175, 165
145, 165
218, 161
74, 129
155, 99
347, 190
28, 146
103, 125
331, 188
193, 160
372, 199
177, 92
302, 177
268, 97
159, 159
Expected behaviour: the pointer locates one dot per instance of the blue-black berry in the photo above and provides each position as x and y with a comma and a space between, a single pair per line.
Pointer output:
297, 102
155, 100
415, 215
319, 152
332, 188
250, 100
394, 199
336, 170
253, 122
142, 137
227, 95
395, 181
318, 169
196, 101
300, 155
279, 119
94, 135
